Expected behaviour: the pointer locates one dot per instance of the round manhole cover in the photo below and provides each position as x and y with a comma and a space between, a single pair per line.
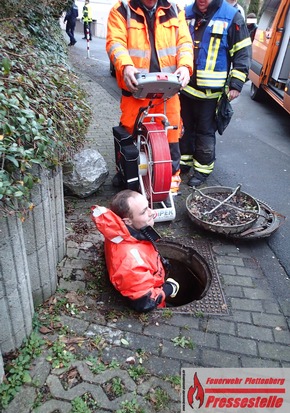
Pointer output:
214, 207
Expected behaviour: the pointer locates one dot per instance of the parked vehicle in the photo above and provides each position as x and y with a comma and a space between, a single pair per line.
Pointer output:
270, 69
252, 25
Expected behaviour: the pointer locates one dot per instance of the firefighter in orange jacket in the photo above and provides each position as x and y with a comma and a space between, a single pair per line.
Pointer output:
135, 266
150, 36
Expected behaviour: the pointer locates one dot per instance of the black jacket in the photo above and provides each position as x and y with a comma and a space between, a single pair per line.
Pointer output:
72, 14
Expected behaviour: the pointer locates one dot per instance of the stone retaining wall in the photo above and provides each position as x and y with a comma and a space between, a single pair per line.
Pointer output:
1, 368
29, 253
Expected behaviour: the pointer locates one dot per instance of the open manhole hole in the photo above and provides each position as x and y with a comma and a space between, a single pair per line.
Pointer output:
193, 266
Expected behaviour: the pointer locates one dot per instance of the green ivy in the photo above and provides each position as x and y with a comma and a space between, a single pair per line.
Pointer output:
43, 112
18, 370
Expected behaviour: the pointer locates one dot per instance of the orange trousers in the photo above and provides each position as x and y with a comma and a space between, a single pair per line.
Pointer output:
130, 108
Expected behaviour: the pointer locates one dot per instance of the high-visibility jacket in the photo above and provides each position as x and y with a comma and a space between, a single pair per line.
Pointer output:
223, 41
87, 14
128, 38
135, 267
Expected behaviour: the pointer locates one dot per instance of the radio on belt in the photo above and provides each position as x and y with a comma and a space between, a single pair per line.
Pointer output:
157, 85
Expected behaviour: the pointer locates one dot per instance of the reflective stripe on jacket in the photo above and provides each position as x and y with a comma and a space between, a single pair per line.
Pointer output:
223, 41
87, 14
135, 267
212, 64
128, 38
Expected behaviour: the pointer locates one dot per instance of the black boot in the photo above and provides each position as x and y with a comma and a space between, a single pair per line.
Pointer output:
197, 179
184, 169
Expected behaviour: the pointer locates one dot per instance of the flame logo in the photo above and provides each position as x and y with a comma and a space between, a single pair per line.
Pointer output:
195, 394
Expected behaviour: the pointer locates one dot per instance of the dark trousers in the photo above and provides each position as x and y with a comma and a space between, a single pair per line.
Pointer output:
87, 25
198, 116
175, 156
70, 30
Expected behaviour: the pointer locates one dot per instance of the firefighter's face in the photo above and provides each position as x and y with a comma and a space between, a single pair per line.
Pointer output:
203, 5
141, 214
149, 3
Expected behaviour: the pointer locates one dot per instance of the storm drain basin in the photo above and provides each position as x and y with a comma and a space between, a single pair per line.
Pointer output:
189, 269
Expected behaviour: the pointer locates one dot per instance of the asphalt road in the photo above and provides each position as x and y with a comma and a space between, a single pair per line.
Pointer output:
254, 151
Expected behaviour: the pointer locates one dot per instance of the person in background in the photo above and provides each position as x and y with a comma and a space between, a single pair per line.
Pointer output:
147, 36
235, 4
87, 19
222, 56
252, 25
135, 266
70, 20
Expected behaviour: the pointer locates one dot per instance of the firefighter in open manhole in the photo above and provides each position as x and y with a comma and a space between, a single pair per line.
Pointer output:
135, 257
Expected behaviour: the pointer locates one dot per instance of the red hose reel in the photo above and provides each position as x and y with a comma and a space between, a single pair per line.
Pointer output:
154, 145
143, 159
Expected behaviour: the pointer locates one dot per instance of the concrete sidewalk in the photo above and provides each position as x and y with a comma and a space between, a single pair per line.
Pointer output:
124, 357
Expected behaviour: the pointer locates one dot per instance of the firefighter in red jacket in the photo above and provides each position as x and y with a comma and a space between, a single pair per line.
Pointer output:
146, 36
135, 266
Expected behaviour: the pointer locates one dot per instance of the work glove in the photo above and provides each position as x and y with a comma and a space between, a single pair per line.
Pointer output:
174, 285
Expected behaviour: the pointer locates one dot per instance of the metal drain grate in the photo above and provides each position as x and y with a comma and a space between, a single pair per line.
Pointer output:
214, 302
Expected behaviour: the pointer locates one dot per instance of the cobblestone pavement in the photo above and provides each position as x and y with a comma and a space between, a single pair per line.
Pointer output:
105, 337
